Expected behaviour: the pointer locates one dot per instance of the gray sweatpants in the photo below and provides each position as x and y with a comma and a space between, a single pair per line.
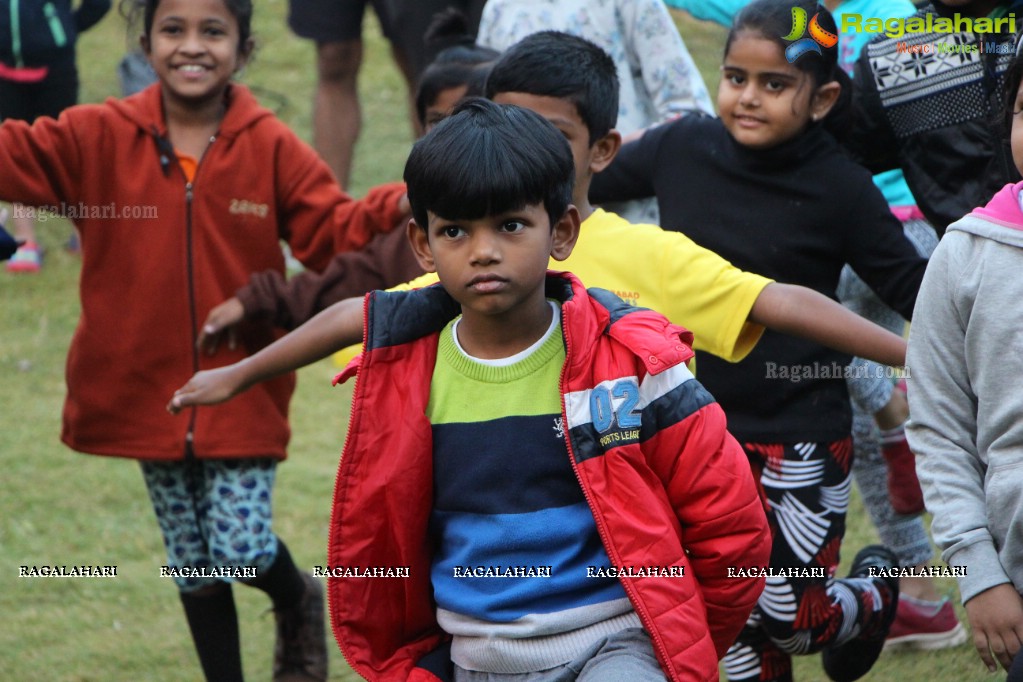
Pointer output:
625, 655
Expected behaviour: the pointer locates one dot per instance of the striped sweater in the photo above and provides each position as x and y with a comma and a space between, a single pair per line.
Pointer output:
515, 535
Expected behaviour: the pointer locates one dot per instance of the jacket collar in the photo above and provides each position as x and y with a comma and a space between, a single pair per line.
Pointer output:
393, 318
145, 109
397, 317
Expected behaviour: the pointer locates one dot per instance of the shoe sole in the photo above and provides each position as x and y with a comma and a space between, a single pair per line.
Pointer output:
23, 269
928, 642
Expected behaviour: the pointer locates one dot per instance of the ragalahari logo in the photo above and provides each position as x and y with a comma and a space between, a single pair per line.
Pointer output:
819, 37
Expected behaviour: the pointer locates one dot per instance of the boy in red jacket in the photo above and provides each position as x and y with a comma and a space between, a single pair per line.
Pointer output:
559, 494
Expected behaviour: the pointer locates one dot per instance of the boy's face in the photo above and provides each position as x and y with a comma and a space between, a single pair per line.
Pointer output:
495, 266
564, 116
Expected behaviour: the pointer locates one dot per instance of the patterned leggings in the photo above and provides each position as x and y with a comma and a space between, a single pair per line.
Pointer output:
213, 513
806, 486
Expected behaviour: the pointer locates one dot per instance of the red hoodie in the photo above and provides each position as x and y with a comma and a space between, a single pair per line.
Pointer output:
159, 253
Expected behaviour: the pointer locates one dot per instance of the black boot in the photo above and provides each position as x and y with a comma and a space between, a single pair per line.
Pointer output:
213, 622
300, 653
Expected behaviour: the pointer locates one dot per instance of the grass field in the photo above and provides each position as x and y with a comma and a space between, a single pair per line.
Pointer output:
58, 507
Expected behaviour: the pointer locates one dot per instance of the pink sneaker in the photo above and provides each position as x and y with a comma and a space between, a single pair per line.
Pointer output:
27, 259
925, 625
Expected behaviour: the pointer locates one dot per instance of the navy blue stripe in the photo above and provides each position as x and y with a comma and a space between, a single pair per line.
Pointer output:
616, 307
671, 408
397, 317
510, 465
558, 288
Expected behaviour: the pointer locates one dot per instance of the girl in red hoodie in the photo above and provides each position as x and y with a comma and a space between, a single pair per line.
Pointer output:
180, 193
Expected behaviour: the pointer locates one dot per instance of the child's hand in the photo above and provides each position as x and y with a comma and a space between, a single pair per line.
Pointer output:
996, 618
208, 387
221, 319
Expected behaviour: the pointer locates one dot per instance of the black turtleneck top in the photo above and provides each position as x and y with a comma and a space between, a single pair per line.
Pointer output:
795, 213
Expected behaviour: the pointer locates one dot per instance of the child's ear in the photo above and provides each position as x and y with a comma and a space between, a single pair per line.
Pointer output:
604, 150
420, 245
823, 99
144, 44
565, 234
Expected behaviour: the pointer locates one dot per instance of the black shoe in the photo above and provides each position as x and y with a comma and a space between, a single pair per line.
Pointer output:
854, 659
300, 654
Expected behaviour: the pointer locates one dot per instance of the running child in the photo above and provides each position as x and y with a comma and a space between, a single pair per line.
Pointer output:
966, 427
788, 204
528, 416
226, 182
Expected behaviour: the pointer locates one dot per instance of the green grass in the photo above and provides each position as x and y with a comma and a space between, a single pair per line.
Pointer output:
58, 507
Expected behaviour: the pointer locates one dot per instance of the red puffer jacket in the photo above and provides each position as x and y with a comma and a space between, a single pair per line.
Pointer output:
673, 490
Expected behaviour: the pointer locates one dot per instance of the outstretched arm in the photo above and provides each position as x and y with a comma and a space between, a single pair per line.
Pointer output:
386, 262
335, 328
803, 312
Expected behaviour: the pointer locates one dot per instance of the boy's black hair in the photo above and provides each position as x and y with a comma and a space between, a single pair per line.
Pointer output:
486, 159
461, 63
773, 20
555, 64
241, 10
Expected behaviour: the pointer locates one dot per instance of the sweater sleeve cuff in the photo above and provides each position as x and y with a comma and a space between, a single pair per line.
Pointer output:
389, 194
250, 303
982, 567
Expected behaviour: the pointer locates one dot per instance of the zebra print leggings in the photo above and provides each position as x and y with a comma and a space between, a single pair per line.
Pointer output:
806, 489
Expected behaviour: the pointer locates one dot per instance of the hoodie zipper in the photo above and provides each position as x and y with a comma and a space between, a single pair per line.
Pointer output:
640, 607
192, 312
59, 35
19, 59
356, 400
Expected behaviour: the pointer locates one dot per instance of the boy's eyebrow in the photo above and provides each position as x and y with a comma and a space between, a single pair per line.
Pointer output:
507, 213
559, 120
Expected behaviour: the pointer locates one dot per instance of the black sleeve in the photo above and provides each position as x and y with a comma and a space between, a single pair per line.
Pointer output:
871, 140
631, 173
89, 13
881, 254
